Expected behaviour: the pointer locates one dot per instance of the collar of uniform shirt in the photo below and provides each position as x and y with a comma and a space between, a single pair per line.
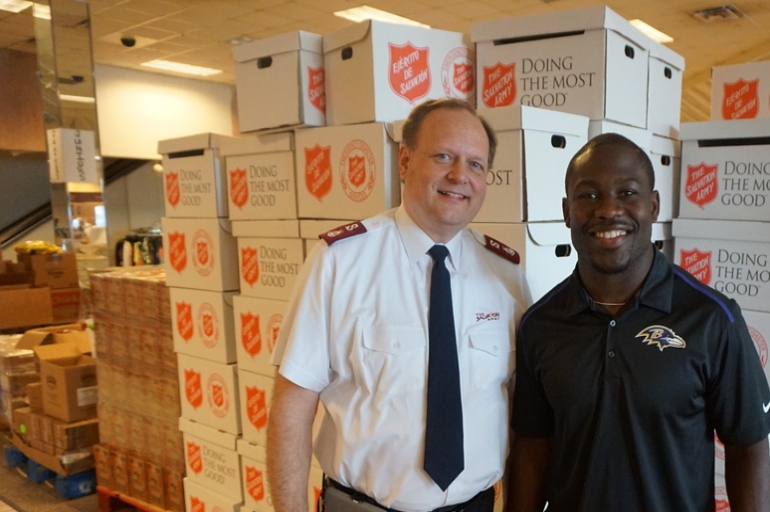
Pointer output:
417, 242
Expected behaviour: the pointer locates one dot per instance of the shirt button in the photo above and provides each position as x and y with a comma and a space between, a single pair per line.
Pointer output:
396, 344
611, 353
612, 323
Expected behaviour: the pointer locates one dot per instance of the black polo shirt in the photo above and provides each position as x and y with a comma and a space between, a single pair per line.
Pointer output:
631, 402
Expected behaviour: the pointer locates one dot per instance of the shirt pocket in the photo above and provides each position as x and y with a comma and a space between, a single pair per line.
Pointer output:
394, 359
491, 357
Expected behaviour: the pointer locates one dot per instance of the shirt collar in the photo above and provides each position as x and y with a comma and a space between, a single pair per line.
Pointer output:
417, 242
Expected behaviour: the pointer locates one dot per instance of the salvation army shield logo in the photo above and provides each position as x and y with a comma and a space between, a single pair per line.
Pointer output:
741, 99
197, 505
256, 407
697, 263
218, 395
358, 170
239, 188
208, 325
249, 265
458, 74
203, 255
316, 91
194, 457
409, 71
184, 321
760, 344
173, 193
255, 483
251, 336
273, 330
318, 171
720, 500
177, 251
499, 89
193, 389
701, 185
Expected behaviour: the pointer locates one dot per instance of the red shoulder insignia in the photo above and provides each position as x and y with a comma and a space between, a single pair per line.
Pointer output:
342, 232
501, 249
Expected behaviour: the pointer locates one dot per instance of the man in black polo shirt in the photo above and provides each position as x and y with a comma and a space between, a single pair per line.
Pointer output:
626, 368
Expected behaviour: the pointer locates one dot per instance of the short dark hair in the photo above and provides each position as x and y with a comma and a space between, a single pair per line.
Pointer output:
413, 123
611, 139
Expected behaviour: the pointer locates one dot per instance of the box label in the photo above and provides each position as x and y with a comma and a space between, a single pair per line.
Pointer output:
741, 99
499, 85
409, 71
458, 73
88, 395
318, 171
316, 90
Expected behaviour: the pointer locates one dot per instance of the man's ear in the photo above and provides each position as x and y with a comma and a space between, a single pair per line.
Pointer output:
565, 210
403, 160
655, 205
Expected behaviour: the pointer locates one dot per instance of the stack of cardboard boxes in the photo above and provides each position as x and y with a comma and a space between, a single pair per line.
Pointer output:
722, 235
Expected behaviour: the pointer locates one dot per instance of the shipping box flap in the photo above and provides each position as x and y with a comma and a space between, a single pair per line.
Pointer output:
347, 35
191, 142
61, 354
256, 144
665, 146
548, 233
266, 228
519, 117
726, 130
740, 231
288, 42
251, 450
206, 433
68, 333
556, 24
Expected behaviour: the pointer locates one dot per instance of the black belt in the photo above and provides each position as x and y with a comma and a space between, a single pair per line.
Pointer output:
359, 496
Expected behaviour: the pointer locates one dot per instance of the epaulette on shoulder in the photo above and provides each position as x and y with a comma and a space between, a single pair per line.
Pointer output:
346, 231
501, 249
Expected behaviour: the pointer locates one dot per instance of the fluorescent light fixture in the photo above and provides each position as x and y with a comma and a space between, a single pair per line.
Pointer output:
14, 5
42, 11
370, 13
178, 67
77, 99
655, 34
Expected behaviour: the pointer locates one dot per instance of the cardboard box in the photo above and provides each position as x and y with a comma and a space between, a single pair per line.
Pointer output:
257, 324
256, 488
137, 477
261, 180
58, 270
730, 256
666, 157
75, 463
17, 278
211, 459
69, 382
75, 435
310, 229
758, 323
194, 183
65, 305
377, 72
256, 395
57, 334
156, 493
203, 324
200, 254
347, 172
174, 490
120, 472
279, 82
534, 148
103, 462
725, 170
589, 61
209, 393
664, 97
25, 307
199, 497
740, 91
35, 396
269, 266
22, 421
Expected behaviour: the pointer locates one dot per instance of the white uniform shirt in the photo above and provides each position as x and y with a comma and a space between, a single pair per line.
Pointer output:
356, 331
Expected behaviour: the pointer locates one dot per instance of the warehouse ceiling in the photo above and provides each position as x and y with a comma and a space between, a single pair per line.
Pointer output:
202, 32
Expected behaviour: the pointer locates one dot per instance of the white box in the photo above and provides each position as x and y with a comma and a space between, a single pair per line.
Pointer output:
72, 156
203, 324
256, 488
200, 254
666, 156
534, 148
256, 396
662, 238
257, 324
261, 181
279, 82
732, 257
740, 91
589, 61
725, 170
266, 228
268, 267
199, 498
209, 393
664, 101
193, 182
347, 172
211, 459
377, 72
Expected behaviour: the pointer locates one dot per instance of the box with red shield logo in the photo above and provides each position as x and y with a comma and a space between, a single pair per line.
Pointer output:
733, 257
202, 323
200, 254
211, 460
256, 489
257, 324
740, 91
725, 170
199, 497
589, 61
279, 82
347, 172
256, 394
194, 183
261, 182
376, 71
209, 393
269, 266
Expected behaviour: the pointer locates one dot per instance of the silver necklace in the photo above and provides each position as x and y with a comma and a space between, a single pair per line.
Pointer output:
610, 303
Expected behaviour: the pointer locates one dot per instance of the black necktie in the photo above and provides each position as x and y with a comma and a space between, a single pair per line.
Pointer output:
444, 425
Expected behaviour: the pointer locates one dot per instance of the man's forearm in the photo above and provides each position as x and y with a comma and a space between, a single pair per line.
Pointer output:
747, 475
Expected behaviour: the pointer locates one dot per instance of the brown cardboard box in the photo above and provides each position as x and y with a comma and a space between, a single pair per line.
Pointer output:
17, 278
69, 465
76, 435
174, 484
137, 478
65, 304
58, 270
69, 382
156, 492
24, 307
21, 421
35, 395
120, 471
103, 462
68, 333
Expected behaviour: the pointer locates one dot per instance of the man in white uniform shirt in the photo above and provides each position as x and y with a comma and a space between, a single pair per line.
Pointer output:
355, 336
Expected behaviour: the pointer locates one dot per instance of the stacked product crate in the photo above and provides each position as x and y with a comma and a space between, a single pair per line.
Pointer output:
140, 452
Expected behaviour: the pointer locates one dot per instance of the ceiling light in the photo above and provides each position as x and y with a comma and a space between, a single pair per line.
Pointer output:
655, 34
370, 13
41, 11
181, 68
14, 5
724, 12
77, 99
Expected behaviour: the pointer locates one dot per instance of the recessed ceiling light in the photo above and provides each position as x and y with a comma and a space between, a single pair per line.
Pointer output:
652, 32
365, 12
181, 68
14, 5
